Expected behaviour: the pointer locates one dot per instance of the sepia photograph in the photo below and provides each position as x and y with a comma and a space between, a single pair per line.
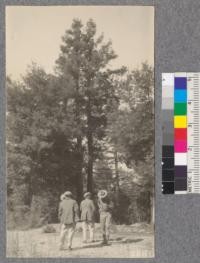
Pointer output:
80, 131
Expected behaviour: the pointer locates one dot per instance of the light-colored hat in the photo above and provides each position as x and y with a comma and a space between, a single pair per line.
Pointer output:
62, 197
87, 194
102, 193
67, 193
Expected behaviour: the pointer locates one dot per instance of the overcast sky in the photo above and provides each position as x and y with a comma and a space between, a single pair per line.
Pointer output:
33, 34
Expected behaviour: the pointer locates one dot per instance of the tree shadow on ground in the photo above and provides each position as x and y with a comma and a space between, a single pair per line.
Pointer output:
93, 245
123, 240
128, 241
120, 240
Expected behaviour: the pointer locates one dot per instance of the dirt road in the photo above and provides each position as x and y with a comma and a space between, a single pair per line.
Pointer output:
134, 241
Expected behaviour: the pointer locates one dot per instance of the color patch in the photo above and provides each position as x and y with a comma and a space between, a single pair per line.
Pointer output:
180, 171
168, 175
167, 115
168, 92
180, 82
180, 146
168, 103
168, 138
180, 121
168, 187
167, 80
167, 163
180, 96
180, 108
180, 158
180, 134
168, 151
168, 126
180, 185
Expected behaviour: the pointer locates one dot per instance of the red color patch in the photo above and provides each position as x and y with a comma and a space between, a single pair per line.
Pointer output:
180, 134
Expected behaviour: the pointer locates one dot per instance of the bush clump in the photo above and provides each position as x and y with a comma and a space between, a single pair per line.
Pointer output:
48, 229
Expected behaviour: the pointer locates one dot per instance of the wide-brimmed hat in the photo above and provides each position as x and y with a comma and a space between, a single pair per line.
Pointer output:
87, 194
62, 197
102, 193
66, 194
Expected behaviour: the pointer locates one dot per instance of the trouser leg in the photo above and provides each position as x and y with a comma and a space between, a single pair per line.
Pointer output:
84, 228
103, 226
91, 230
63, 231
107, 226
71, 231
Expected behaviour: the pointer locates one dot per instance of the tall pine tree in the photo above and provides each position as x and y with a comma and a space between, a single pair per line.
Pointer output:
84, 62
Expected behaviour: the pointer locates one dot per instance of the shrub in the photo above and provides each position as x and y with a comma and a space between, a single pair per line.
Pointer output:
18, 217
48, 229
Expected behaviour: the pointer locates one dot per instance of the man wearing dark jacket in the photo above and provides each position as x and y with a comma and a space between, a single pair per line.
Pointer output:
68, 215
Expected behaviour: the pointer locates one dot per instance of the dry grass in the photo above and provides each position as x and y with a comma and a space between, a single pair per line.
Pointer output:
127, 242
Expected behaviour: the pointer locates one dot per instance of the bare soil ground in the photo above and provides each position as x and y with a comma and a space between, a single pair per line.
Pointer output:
135, 241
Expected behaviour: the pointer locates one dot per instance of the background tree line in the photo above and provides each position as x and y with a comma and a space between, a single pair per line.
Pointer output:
85, 127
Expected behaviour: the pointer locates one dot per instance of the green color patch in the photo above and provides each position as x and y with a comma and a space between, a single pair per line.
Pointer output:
180, 109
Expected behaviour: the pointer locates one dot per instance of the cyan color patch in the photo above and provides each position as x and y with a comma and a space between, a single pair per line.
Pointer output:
180, 95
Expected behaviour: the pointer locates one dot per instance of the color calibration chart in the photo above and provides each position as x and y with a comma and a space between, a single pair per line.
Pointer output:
180, 133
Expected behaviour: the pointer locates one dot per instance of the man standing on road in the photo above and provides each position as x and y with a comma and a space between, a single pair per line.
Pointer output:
105, 211
87, 216
69, 216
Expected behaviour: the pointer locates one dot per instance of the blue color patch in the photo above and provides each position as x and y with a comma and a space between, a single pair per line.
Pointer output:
180, 95
180, 83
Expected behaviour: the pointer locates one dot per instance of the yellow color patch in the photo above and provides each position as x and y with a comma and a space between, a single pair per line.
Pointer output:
180, 121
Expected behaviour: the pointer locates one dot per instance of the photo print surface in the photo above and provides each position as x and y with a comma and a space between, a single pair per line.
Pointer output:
80, 131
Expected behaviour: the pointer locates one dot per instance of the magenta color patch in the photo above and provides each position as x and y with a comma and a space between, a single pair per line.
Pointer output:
180, 146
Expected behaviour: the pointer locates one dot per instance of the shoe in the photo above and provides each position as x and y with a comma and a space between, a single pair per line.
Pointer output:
104, 243
70, 248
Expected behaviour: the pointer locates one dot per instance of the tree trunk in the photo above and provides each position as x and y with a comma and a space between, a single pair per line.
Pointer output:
79, 166
117, 188
90, 148
116, 172
90, 163
79, 149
